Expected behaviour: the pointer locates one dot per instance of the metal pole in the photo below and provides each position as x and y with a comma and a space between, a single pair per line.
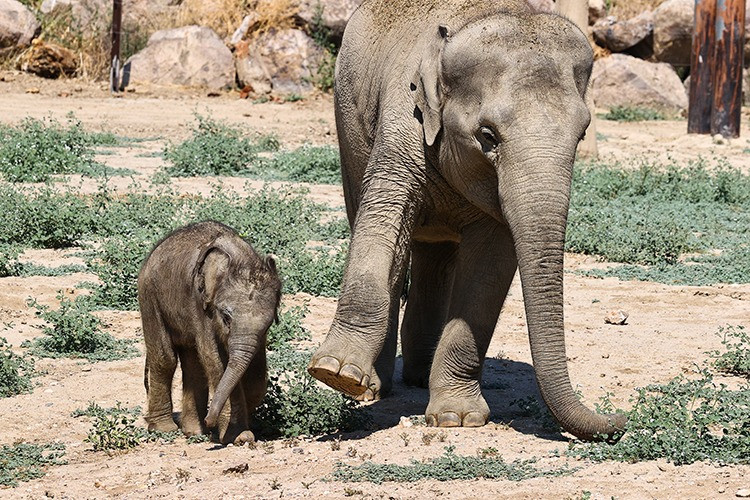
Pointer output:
114, 74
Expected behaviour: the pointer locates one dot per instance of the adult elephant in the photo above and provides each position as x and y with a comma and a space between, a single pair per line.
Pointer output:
458, 123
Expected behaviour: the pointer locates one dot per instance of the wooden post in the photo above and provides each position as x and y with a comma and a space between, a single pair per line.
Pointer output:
701, 64
716, 67
578, 12
114, 73
729, 55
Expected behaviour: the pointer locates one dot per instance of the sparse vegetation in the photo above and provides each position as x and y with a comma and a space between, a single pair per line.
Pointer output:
677, 225
96, 411
114, 429
74, 332
25, 461
288, 329
633, 114
736, 356
447, 467
15, 371
686, 420
35, 150
315, 164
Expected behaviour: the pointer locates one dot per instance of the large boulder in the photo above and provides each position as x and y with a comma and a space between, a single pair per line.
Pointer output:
282, 61
331, 14
18, 26
542, 5
190, 55
623, 80
673, 31
49, 60
625, 36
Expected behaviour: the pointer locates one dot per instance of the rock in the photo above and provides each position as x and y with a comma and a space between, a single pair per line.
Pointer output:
405, 422
742, 493
334, 15
597, 10
719, 139
192, 55
49, 60
623, 80
633, 35
542, 5
673, 31
616, 317
94, 15
283, 61
18, 26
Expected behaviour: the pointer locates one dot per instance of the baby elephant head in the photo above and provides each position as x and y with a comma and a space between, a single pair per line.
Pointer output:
240, 292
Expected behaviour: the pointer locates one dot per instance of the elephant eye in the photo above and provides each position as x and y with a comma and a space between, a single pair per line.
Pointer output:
488, 138
226, 317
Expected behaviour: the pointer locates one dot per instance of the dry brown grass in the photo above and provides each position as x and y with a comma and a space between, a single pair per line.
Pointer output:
225, 16
625, 9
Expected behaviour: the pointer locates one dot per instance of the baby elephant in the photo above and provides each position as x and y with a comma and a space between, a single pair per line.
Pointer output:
207, 298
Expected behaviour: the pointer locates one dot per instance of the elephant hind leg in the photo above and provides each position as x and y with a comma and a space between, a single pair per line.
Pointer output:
194, 393
432, 273
484, 270
161, 363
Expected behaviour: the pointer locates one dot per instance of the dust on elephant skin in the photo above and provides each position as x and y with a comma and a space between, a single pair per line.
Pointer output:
458, 123
207, 299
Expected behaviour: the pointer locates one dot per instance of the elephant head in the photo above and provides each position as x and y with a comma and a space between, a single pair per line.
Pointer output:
502, 106
240, 296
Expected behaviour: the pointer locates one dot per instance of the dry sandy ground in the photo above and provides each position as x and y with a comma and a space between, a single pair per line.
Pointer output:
670, 328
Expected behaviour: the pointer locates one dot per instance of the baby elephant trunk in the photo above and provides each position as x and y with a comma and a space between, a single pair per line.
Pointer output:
242, 349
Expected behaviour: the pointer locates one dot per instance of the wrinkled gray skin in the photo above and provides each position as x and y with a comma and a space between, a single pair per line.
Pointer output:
207, 299
458, 123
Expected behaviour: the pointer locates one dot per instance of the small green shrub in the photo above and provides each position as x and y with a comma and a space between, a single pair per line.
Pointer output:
9, 265
114, 428
324, 77
736, 358
288, 329
295, 405
15, 371
215, 149
315, 164
25, 461
96, 411
37, 149
633, 114
76, 333
447, 467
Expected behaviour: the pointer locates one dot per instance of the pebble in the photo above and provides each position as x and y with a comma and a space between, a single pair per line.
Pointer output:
618, 317
405, 422
742, 493
719, 139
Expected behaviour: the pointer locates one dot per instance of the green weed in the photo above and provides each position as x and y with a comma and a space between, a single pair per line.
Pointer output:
447, 467
654, 215
215, 149
25, 461
315, 164
15, 371
633, 114
288, 329
325, 73
295, 405
9, 265
736, 358
74, 332
96, 411
117, 431
35, 150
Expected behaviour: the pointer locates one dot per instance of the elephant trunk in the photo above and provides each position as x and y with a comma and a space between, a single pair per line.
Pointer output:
535, 202
242, 348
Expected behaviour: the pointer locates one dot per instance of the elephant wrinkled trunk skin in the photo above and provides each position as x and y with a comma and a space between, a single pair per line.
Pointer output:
539, 236
242, 347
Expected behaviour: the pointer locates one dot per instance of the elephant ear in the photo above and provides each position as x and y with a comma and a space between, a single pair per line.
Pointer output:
210, 272
425, 85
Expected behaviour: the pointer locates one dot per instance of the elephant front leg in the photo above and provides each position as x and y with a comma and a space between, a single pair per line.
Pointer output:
432, 273
194, 393
485, 268
377, 255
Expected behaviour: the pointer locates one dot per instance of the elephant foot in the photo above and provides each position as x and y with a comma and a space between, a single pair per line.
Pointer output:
164, 424
447, 411
346, 375
244, 438
190, 427
375, 393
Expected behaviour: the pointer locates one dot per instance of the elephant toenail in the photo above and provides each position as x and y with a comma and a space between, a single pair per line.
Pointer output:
324, 363
351, 372
449, 419
430, 421
368, 395
474, 419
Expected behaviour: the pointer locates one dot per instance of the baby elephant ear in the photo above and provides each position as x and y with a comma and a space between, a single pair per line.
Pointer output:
209, 274
425, 86
270, 261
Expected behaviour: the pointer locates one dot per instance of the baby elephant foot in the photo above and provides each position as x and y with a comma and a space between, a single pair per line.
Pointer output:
344, 373
165, 424
244, 438
447, 411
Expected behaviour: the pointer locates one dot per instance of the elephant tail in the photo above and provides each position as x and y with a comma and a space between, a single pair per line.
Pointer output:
145, 376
